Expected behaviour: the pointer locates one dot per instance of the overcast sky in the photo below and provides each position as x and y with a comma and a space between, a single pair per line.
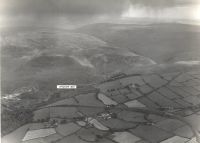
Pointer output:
91, 10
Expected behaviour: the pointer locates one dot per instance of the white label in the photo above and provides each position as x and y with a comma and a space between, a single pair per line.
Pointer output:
66, 86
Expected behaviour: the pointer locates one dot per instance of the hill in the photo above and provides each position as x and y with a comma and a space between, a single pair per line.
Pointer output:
164, 43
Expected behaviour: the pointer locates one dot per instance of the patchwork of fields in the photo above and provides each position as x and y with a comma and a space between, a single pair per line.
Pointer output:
124, 110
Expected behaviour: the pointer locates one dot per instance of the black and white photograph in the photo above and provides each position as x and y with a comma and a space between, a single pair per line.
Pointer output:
100, 71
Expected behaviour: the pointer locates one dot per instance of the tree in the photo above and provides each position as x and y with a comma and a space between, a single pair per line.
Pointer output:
63, 121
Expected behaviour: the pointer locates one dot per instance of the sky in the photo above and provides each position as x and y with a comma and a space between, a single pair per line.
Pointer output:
69, 12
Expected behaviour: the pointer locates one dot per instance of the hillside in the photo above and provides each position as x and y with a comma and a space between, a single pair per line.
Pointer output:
164, 43
53, 57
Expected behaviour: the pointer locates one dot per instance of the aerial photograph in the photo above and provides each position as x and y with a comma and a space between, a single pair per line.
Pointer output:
100, 71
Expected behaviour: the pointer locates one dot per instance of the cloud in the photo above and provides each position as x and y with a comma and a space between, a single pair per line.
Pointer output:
70, 11
70, 7
82, 7
158, 4
168, 10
